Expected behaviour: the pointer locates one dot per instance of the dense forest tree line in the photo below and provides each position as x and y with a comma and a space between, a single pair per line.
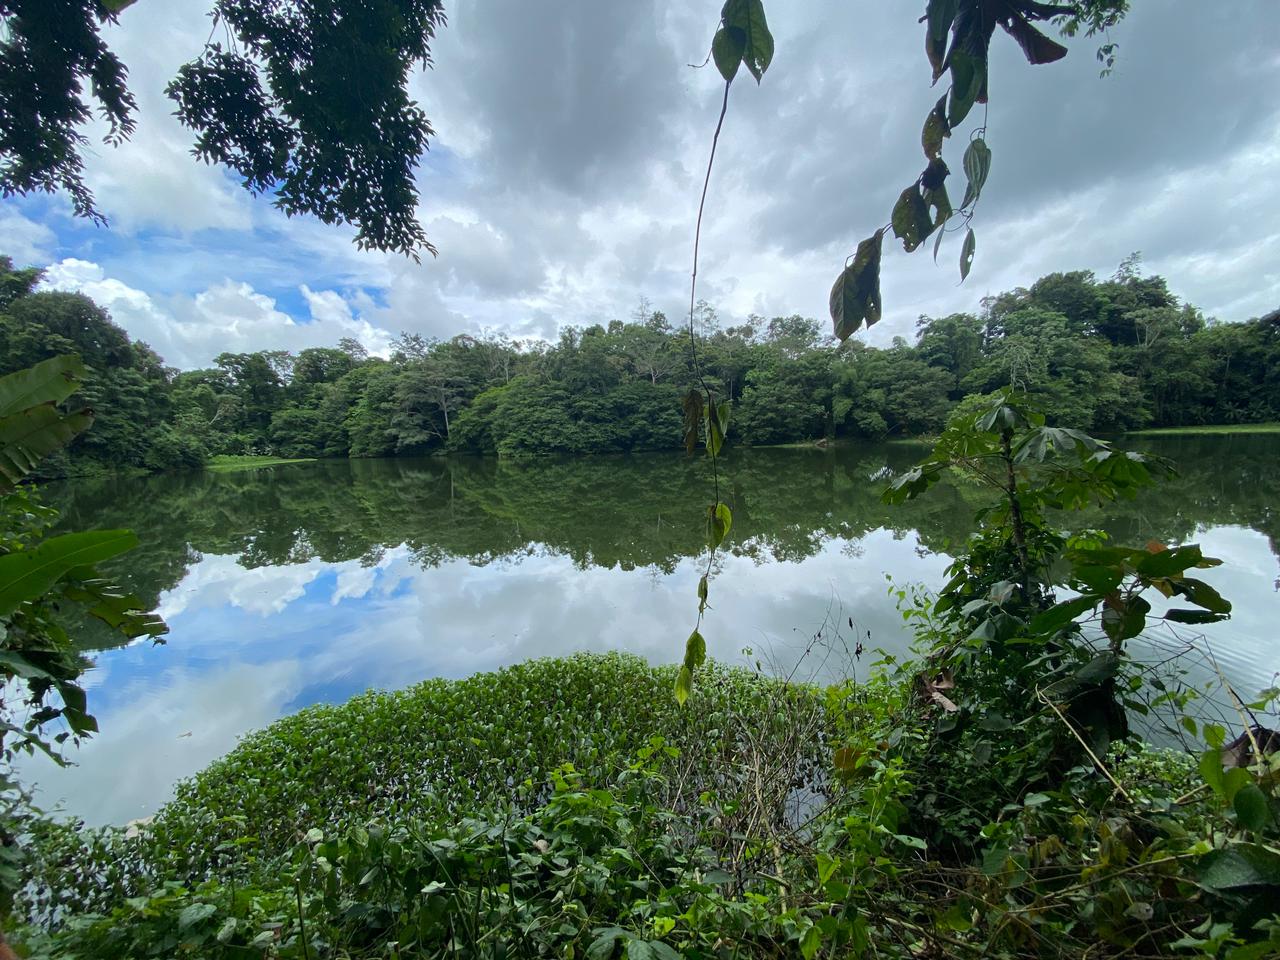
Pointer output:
1103, 355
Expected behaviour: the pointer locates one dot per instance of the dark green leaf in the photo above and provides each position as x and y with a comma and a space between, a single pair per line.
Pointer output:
968, 76
810, 943
1036, 47
695, 651
195, 913
939, 15
27, 574
118, 610
855, 296
977, 164
722, 417
938, 200
935, 130
910, 485
605, 939
911, 222
715, 438
1060, 614
748, 17
1252, 809
994, 860
13, 662
1182, 615
29, 436
660, 951
1242, 865
994, 722
1211, 770
727, 48
966, 254
1233, 781
1171, 562
1202, 595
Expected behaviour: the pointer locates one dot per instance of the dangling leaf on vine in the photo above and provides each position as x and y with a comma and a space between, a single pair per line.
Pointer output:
966, 254
747, 16
855, 296
939, 14
702, 593
719, 520
935, 130
722, 416
940, 203
695, 651
977, 164
684, 685
727, 48
1036, 47
968, 82
715, 436
911, 222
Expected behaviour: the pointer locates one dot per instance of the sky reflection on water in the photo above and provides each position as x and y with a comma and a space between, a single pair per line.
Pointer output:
251, 643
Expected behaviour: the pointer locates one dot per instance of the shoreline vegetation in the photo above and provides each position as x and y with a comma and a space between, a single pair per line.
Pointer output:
987, 798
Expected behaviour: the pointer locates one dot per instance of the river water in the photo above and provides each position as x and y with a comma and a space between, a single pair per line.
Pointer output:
305, 583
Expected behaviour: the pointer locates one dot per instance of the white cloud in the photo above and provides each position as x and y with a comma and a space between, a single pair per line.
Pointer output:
230, 316
24, 241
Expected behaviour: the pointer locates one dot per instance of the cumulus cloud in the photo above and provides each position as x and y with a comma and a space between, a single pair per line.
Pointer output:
570, 150
227, 316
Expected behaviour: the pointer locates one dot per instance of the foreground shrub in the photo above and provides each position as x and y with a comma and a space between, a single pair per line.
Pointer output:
445, 750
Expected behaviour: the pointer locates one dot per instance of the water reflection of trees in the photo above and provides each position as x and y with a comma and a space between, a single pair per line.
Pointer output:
608, 511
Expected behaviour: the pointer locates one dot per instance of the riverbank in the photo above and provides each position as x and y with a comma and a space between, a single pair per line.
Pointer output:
1209, 430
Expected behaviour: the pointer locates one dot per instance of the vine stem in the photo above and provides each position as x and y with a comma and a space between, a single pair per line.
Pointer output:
693, 294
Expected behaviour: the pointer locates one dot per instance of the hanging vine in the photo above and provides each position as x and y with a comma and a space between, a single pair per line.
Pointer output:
957, 40
957, 43
743, 37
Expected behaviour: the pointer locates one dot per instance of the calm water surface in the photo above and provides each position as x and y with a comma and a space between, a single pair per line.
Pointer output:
307, 583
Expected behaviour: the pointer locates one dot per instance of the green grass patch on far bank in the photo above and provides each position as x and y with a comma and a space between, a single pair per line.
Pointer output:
224, 462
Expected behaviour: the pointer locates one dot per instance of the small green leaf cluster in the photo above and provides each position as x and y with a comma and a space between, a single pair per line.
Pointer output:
743, 38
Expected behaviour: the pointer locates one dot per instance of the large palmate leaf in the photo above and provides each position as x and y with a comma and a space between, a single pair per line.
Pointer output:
31, 426
50, 381
28, 437
27, 574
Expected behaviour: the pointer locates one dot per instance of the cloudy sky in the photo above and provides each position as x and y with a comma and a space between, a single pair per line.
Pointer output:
571, 142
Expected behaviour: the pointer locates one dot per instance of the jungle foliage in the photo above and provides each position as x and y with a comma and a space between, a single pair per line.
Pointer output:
42, 702
1093, 354
989, 799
